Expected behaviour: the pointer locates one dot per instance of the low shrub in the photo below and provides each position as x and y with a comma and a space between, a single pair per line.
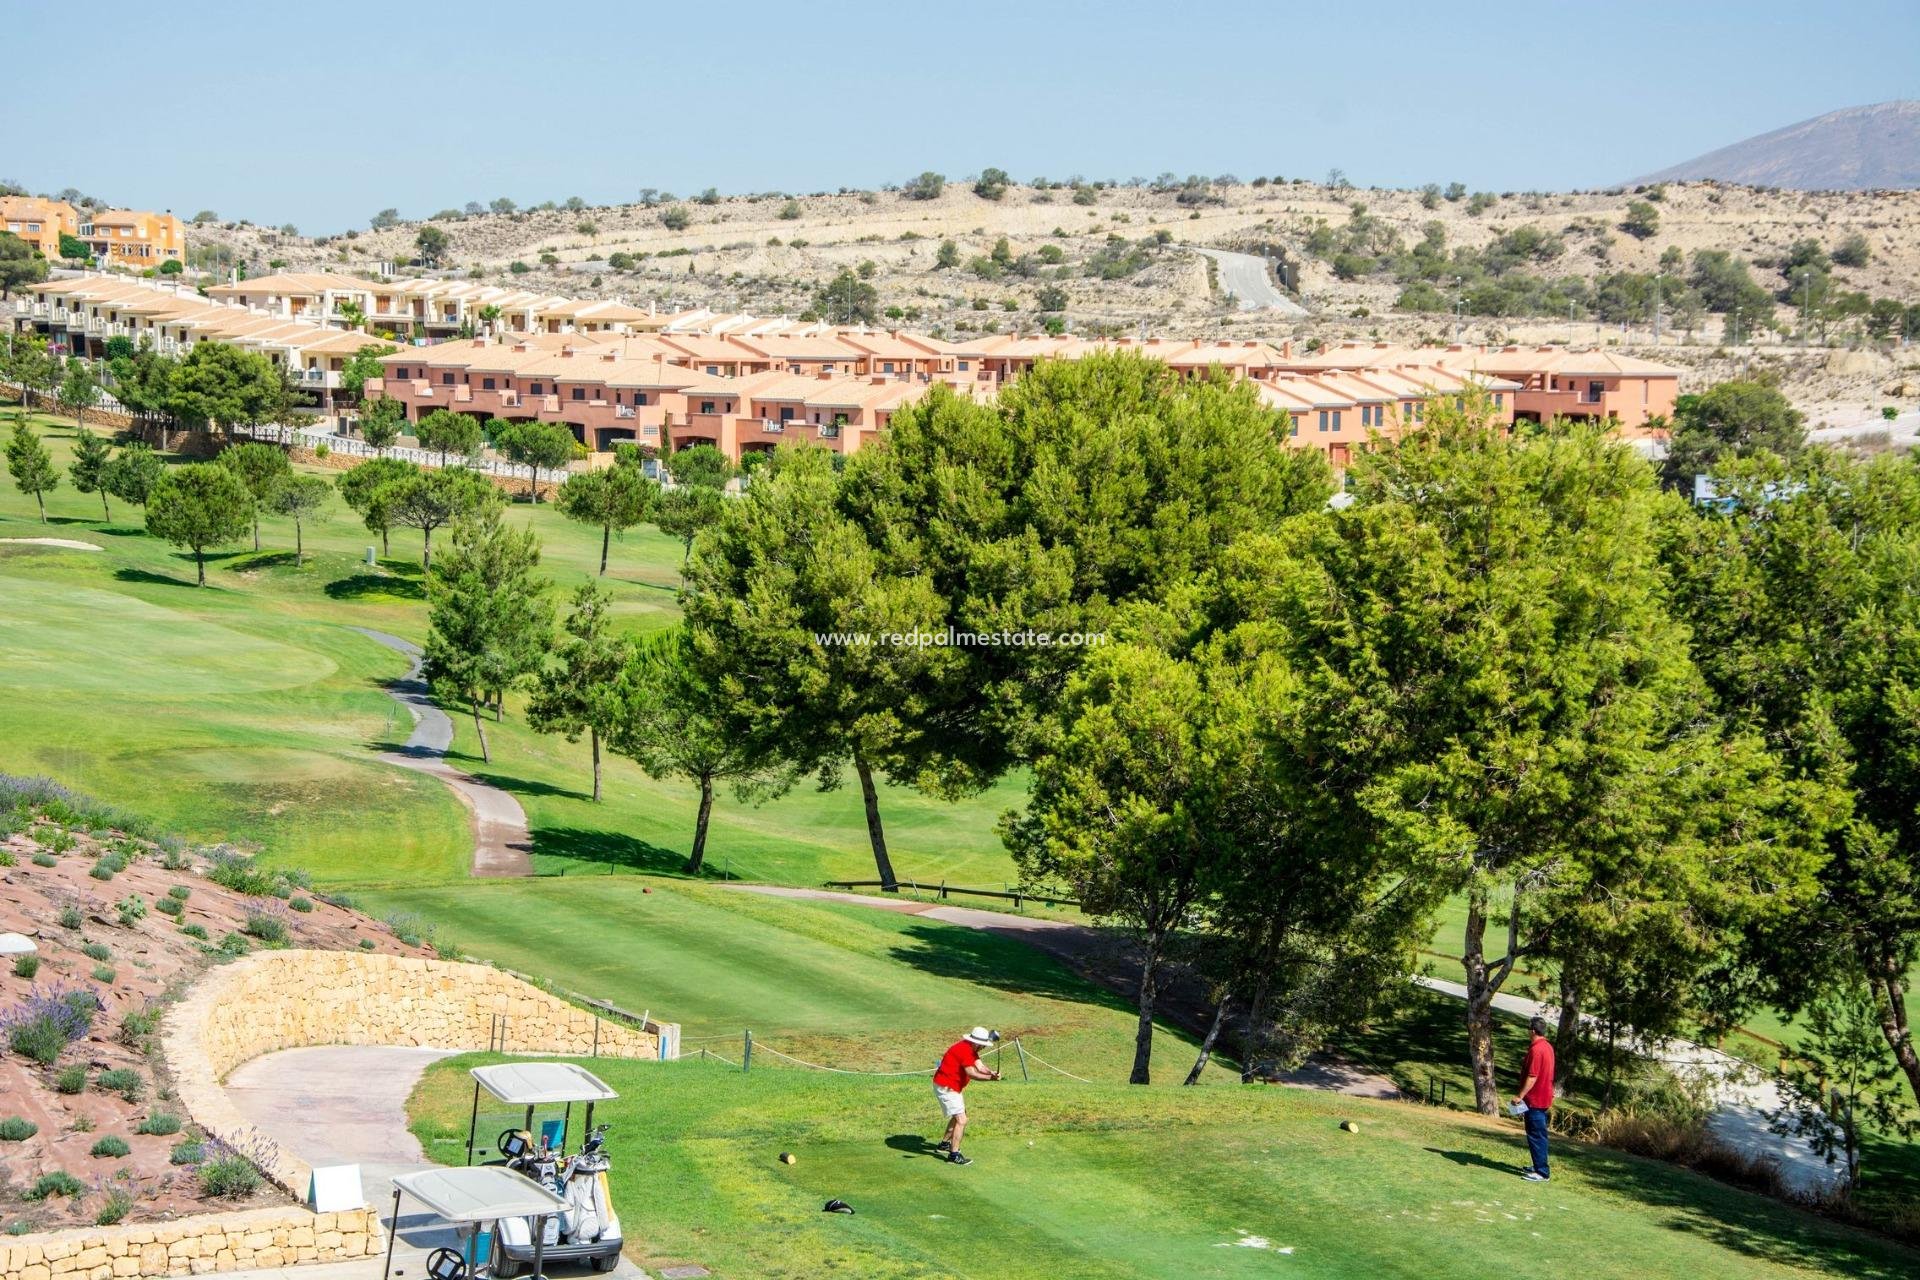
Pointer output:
300, 904
117, 1205
70, 917
58, 1183
180, 891
15, 1129
110, 1148
138, 1025
124, 1081
81, 1124
194, 931
169, 906
226, 1175
408, 927
174, 858
97, 951
25, 966
159, 1124
366, 944
104, 973
45, 860
105, 869
188, 1152
46, 1022
234, 945
70, 1079
132, 910
265, 926
60, 841
236, 871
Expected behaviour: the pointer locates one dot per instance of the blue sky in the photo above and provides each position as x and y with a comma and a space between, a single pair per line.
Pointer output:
321, 114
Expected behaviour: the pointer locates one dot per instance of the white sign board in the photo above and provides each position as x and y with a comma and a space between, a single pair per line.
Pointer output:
336, 1187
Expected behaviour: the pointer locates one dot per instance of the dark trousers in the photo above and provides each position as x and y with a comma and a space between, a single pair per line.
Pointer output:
1537, 1138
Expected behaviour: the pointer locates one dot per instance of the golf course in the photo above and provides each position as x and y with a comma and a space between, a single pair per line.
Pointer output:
250, 712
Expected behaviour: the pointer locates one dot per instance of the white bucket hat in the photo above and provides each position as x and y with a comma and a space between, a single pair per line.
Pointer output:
982, 1037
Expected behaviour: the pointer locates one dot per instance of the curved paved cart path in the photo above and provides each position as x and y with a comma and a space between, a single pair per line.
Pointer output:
1245, 277
500, 838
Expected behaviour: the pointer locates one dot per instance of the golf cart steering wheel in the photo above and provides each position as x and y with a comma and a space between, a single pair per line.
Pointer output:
446, 1264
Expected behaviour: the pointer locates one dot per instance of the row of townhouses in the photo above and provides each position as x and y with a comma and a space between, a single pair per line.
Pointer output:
115, 237
614, 373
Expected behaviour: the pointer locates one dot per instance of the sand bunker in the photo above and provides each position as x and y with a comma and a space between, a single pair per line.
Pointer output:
68, 543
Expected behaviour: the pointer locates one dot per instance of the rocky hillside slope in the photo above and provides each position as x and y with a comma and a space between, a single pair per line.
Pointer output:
1853, 149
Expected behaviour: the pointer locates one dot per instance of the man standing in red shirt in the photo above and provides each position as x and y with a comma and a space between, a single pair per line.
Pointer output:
1536, 1096
958, 1065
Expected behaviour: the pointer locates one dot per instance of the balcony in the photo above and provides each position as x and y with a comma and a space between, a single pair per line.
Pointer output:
624, 411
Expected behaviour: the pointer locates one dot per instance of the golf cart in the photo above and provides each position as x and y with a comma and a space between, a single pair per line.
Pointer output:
469, 1199
588, 1230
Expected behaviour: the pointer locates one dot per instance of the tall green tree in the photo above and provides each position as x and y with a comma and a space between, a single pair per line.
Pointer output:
578, 691
486, 608
702, 466
302, 499
220, 384
131, 476
449, 432
199, 506
372, 490
1731, 420
30, 465
263, 469
538, 446
92, 456
676, 723
79, 389
685, 511
1487, 635
615, 498
1803, 595
427, 500
363, 364
20, 264
380, 424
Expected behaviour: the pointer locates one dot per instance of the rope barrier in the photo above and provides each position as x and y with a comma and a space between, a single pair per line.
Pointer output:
1034, 1057
844, 1071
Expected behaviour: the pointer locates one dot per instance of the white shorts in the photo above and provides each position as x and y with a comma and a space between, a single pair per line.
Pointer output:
952, 1101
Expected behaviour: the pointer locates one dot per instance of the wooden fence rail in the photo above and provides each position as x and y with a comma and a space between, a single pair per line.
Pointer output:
1018, 897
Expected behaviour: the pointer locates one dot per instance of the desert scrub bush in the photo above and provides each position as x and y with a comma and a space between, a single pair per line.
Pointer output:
173, 857
46, 1022
25, 966
160, 1124
138, 1025
124, 1081
45, 860
6, 858
70, 917
110, 1148
366, 944
299, 903
115, 1205
104, 974
194, 931
15, 1129
266, 926
225, 1174
180, 891
234, 944
58, 841
231, 869
408, 927
58, 1183
105, 869
97, 951
70, 1079
187, 1152
169, 906
132, 910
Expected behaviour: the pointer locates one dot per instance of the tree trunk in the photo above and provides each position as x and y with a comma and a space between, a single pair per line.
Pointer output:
606, 536
41, 498
593, 745
1143, 1029
1483, 982
299, 546
875, 834
106, 512
200, 566
699, 854
1566, 1037
256, 529
1255, 1037
1890, 990
426, 551
1213, 1033
479, 727
385, 550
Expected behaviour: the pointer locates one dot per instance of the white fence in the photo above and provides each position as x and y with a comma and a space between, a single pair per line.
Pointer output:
311, 437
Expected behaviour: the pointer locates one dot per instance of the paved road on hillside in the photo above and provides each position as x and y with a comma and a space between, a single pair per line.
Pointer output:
1245, 277
500, 838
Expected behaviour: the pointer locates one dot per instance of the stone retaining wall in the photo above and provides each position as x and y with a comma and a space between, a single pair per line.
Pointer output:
274, 1000
193, 1246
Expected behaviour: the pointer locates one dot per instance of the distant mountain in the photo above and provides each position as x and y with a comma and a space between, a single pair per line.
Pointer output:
1853, 149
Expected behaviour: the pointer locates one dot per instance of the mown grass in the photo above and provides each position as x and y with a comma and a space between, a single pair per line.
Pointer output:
1110, 1181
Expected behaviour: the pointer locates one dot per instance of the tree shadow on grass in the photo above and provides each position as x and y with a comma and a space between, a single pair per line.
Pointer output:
613, 850
954, 951
374, 586
243, 561
125, 574
1754, 1225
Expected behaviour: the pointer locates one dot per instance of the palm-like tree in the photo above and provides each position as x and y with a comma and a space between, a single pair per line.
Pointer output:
355, 317
490, 315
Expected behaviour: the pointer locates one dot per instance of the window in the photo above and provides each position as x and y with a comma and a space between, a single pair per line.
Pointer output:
706, 406
639, 397
400, 372
446, 379
538, 389
713, 370
786, 414
1498, 397
486, 384
886, 366
1336, 419
1323, 419
579, 393
1293, 425
964, 366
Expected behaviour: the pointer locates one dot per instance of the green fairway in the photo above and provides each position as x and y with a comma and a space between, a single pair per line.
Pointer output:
847, 985
1108, 1181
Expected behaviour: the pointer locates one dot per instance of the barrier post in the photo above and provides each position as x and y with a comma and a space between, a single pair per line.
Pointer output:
746, 1052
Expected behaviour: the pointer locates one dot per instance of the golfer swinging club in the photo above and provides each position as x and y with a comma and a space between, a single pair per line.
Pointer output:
958, 1065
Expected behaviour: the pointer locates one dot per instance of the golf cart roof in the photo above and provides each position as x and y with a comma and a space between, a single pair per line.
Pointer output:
525, 1084
478, 1194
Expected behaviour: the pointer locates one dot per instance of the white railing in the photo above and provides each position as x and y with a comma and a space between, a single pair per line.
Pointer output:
624, 411
308, 437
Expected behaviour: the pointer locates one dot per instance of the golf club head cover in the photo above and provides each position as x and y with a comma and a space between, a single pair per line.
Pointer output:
836, 1206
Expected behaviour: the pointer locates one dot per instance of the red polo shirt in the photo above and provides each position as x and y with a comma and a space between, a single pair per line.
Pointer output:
1540, 1067
952, 1072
